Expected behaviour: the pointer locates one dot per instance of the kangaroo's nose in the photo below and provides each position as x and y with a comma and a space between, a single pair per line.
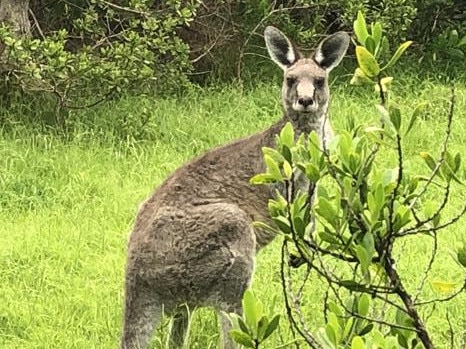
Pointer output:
305, 101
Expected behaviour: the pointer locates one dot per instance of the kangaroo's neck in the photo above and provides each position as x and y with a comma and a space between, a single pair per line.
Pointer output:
306, 123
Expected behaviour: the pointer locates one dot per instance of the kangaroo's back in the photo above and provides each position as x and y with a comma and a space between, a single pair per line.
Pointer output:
220, 175
193, 243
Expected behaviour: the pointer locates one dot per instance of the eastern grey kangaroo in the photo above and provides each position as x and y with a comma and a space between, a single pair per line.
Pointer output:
193, 244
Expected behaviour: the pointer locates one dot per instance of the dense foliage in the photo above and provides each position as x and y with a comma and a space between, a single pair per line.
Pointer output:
79, 53
347, 224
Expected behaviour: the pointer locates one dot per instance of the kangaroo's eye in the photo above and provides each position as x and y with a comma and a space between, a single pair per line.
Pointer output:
319, 82
290, 81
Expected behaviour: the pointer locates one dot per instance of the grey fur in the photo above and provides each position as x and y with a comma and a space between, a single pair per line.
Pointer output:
192, 244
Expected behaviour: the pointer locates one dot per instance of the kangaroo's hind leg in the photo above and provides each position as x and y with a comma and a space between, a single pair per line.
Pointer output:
143, 313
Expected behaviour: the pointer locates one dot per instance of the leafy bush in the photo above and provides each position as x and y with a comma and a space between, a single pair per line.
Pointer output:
102, 49
364, 211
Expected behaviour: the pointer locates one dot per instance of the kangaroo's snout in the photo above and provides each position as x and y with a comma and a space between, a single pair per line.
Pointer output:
305, 101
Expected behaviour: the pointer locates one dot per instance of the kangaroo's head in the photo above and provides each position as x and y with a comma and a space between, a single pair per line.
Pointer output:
305, 91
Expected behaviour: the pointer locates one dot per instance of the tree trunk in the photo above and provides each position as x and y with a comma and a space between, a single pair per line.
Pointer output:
15, 13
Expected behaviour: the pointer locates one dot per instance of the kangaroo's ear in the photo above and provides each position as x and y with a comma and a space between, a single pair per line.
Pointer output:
280, 48
332, 50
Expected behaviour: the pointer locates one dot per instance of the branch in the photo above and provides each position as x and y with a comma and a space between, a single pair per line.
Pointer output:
434, 229
125, 9
405, 297
294, 326
438, 165
428, 268
36, 23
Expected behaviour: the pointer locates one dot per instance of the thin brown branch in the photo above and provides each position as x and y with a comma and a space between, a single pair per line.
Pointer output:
36, 23
440, 161
450, 329
406, 298
432, 230
294, 325
125, 9
428, 268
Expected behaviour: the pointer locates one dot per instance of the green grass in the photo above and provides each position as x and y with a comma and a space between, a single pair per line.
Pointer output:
68, 204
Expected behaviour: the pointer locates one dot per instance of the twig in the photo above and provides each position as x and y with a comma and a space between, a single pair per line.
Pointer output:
294, 326
442, 157
428, 268
125, 9
36, 23
452, 333
198, 58
405, 297
437, 228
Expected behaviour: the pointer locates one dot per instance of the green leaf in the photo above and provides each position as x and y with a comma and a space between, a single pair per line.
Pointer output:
242, 325
401, 49
262, 326
366, 329
359, 78
286, 152
312, 172
263, 178
395, 117
443, 287
363, 304
334, 308
418, 111
272, 168
348, 329
429, 160
333, 328
377, 34
367, 62
352, 285
384, 47
326, 210
363, 257
331, 335
329, 237
461, 255
274, 154
357, 343
282, 224
287, 170
385, 82
287, 135
250, 310
272, 326
242, 338
454, 52
370, 44
453, 37
298, 226
360, 28
264, 226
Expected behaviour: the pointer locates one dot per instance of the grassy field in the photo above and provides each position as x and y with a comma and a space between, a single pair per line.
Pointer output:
67, 206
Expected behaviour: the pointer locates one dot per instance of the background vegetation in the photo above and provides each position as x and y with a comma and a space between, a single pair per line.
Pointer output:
71, 55
167, 82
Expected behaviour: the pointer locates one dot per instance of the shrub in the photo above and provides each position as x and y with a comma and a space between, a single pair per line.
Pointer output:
100, 50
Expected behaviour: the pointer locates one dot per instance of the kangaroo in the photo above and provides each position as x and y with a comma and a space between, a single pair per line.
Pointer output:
193, 243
